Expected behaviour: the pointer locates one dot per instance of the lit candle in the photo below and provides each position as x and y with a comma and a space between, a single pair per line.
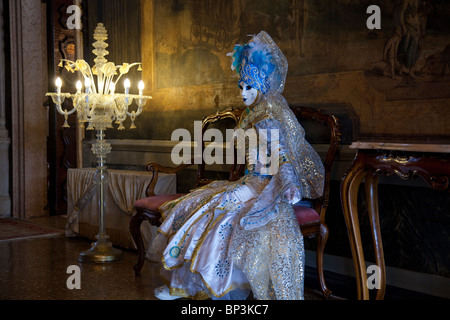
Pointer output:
58, 83
141, 87
127, 85
79, 85
112, 88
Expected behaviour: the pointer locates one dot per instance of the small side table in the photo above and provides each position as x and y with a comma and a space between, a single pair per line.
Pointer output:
430, 161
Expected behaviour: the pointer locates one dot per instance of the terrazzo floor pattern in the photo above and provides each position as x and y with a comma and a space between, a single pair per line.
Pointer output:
37, 269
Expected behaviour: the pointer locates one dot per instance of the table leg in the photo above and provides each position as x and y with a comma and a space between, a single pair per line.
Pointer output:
349, 198
371, 188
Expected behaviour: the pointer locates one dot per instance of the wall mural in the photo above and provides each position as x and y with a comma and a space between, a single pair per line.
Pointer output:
412, 48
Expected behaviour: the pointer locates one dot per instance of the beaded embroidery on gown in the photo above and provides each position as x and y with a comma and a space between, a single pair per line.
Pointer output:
206, 251
244, 234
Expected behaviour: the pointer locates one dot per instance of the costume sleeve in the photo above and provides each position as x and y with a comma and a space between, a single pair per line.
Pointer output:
283, 178
275, 160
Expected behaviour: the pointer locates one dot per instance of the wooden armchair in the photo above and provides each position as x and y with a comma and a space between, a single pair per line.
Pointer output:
147, 208
311, 220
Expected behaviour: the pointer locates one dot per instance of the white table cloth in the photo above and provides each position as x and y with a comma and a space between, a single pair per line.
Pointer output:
124, 188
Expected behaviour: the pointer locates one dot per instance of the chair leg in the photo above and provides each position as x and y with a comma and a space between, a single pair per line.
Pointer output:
321, 242
135, 230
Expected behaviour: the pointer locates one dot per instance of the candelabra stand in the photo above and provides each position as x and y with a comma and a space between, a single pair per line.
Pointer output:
99, 106
102, 250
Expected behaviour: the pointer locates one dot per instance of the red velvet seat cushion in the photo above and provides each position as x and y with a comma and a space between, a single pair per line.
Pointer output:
303, 214
154, 202
306, 215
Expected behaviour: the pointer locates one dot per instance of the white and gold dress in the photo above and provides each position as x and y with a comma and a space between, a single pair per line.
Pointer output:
243, 234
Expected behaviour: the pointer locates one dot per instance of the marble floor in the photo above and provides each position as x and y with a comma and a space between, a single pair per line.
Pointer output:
36, 269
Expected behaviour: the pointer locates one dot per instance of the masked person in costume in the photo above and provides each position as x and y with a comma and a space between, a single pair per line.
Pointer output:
227, 238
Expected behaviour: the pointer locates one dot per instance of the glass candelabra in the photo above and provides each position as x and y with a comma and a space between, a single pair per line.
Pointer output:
99, 106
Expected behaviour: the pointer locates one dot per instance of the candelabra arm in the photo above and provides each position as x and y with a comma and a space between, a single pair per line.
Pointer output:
140, 101
58, 100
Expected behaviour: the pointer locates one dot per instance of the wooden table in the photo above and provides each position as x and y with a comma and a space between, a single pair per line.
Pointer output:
429, 161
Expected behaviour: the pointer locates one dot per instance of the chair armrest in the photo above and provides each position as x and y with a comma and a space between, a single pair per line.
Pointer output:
204, 182
236, 172
156, 168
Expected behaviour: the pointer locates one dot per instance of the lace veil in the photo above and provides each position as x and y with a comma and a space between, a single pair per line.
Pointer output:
271, 67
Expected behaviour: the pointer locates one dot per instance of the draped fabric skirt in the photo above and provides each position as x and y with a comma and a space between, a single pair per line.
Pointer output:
206, 253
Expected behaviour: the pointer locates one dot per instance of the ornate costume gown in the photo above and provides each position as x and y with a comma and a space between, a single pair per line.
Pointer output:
241, 234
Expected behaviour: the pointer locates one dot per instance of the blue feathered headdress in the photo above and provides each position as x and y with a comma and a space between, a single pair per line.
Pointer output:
254, 64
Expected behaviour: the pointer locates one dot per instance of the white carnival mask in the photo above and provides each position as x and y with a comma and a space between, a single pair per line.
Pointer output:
249, 94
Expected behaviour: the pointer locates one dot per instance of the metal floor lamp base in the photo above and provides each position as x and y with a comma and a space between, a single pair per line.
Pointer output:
101, 251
